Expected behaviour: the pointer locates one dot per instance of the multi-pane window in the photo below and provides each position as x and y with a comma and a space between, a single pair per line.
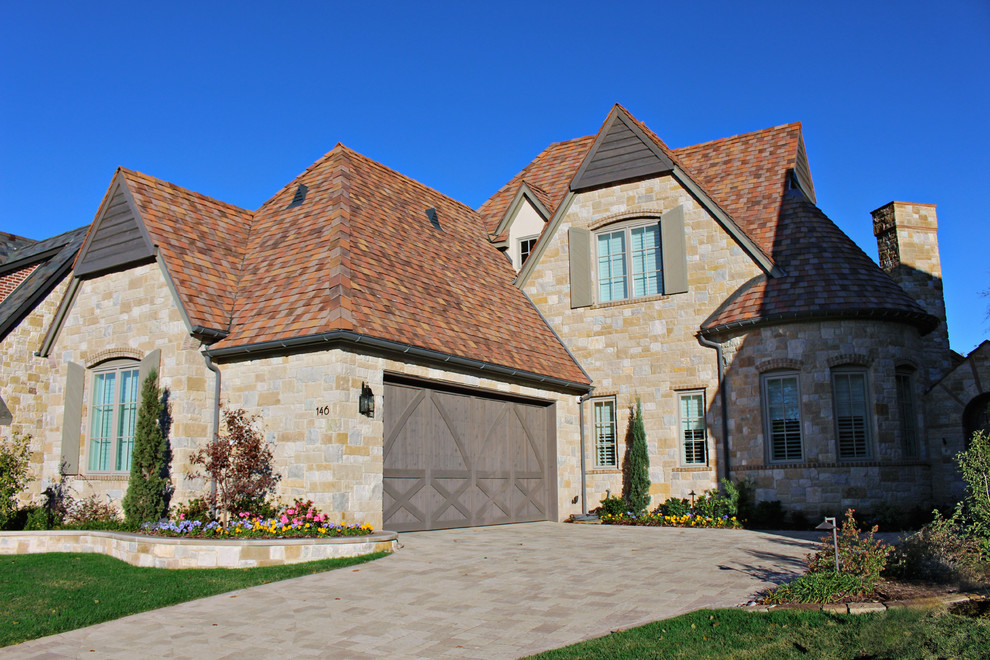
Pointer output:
693, 436
112, 416
629, 263
526, 246
782, 415
851, 414
905, 411
605, 426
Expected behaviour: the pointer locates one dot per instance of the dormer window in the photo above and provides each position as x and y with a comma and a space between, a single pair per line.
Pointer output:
526, 246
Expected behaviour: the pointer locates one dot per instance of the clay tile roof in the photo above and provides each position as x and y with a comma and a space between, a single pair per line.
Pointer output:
550, 172
828, 275
360, 254
202, 241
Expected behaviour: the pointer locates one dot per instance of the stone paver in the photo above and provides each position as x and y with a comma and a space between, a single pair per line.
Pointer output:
490, 592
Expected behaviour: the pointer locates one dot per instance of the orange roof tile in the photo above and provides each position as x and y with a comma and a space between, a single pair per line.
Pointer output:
201, 240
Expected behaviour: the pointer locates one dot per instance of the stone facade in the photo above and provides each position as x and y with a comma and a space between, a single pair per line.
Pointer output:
27, 379
646, 347
822, 482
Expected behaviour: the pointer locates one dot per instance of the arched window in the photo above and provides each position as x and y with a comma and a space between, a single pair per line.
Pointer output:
976, 416
112, 415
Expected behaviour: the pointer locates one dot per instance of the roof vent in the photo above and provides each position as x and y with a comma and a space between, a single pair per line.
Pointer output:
300, 195
431, 213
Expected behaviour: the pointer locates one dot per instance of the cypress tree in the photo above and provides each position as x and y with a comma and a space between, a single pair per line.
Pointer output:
639, 465
148, 486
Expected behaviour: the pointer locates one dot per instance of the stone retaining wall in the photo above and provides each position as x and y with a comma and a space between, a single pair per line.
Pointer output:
170, 552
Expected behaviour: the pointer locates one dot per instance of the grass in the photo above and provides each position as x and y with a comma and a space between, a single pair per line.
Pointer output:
45, 594
738, 634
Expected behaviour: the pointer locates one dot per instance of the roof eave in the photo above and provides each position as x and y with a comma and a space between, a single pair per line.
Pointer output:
395, 350
925, 323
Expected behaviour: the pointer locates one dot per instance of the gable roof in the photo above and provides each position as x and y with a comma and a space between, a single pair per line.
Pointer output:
748, 177
53, 260
10, 243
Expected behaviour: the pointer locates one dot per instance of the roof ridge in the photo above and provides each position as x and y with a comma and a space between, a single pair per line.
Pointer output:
339, 275
129, 172
739, 136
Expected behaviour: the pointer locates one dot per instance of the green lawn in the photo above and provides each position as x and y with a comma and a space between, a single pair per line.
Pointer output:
46, 594
734, 634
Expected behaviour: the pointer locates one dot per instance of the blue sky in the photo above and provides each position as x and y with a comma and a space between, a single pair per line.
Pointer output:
235, 99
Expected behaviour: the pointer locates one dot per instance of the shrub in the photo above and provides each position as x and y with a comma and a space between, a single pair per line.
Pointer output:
859, 554
195, 509
941, 551
637, 491
15, 463
148, 488
822, 587
974, 463
239, 462
713, 504
674, 508
93, 510
612, 506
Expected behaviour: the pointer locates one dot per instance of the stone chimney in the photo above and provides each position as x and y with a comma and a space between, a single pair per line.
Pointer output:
907, 239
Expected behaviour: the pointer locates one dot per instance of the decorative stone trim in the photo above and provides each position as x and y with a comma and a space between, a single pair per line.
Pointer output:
630, 301
700, 468
837, 464
779, 363
112, 354
628, 214
173, 552
858, 359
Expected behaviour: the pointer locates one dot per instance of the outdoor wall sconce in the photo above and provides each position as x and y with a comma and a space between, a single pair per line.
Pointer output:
366, 402
829, 524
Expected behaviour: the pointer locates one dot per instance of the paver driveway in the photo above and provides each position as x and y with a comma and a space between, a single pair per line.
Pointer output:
489, 592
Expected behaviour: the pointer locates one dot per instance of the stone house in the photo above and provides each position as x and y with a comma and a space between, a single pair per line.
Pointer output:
412, 376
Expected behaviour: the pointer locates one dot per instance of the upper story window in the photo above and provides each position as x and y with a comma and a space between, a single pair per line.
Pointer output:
112, 415
526, 246
629, 263
782, 416
606, 453
694, 441
852, 424
905, 411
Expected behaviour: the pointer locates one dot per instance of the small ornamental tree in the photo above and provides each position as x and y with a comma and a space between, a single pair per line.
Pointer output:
638, 467
148, 488
974, 463
15, 462
239, 464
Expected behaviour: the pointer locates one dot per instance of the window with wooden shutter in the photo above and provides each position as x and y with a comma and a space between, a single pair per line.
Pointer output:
579, 251
782, 416
852, 424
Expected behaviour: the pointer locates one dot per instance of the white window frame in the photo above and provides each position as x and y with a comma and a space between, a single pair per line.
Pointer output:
862, 447
519, 248
111, 422
629, 275
605, 433
689, 426
767, 382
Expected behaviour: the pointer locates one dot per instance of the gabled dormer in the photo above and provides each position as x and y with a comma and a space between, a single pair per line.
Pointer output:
522, 224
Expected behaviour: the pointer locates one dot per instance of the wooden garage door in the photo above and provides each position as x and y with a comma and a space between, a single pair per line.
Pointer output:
455, 459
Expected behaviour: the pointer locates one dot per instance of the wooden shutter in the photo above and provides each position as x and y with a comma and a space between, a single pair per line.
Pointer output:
150, 363
75, 381
579, 250
674, 250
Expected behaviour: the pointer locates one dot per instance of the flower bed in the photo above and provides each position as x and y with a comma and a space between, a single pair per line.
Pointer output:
301, 520
657, 519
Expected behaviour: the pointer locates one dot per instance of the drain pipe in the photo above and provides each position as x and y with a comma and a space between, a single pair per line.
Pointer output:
584, 469
724, 398
216, 412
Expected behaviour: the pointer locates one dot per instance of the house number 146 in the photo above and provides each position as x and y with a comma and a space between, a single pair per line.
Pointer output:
323, 410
